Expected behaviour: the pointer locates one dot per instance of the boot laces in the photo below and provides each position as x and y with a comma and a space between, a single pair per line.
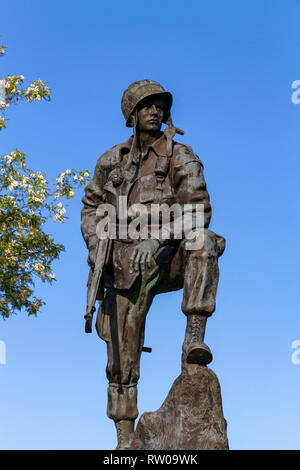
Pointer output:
196, 328
120, 435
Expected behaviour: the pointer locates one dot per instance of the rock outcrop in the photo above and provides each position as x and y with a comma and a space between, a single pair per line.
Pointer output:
191, 417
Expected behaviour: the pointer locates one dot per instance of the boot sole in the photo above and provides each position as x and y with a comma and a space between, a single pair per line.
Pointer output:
200, 356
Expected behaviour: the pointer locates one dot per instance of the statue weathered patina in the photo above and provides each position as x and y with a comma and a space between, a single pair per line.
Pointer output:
149, 168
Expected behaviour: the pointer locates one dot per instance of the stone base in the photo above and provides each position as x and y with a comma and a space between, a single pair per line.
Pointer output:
191, 417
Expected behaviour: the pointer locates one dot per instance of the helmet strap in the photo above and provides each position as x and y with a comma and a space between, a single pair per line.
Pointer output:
169, 132
135, 149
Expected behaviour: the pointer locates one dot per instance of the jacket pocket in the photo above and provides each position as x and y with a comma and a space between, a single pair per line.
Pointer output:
147, 185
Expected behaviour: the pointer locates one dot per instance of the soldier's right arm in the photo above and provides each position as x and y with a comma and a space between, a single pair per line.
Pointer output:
93, 197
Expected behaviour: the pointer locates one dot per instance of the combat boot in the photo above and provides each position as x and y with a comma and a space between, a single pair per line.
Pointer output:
196, 351
125, 433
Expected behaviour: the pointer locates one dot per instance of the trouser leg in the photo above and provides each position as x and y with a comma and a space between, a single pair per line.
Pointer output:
199, 296
124, 313
123, 354
201, 278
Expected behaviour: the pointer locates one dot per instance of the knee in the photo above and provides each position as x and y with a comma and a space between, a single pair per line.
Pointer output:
208, 244
221, 244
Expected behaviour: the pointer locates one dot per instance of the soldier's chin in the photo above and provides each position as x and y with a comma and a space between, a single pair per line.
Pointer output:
153, 126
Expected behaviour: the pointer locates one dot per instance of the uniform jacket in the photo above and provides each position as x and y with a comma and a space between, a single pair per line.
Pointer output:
182, 182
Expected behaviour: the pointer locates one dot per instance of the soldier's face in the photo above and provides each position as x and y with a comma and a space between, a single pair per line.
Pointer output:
150, 115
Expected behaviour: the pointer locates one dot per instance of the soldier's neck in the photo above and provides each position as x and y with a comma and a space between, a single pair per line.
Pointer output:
147, 139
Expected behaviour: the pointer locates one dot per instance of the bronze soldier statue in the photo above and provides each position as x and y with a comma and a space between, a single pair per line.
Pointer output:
126, 274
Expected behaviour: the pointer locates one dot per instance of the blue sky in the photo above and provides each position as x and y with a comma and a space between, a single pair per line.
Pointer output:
230, 66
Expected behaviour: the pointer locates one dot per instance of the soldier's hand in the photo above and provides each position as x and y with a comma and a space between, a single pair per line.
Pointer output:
142, 255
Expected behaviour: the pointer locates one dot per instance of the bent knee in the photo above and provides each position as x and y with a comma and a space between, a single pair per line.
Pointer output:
208, 244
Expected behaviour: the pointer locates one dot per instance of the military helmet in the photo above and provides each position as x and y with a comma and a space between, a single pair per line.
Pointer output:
137, 92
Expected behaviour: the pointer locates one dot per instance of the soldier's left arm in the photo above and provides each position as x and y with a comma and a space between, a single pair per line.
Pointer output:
188, 180
93, 197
